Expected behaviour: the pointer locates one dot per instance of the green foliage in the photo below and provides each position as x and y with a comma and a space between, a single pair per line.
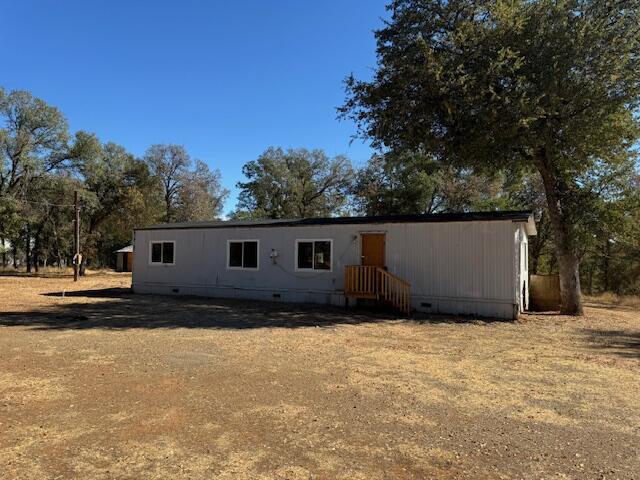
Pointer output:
168, 164
611, 246
411, 183
112, 180
490, 82
201, 194
51, 217
296, 183
33, 141
34, 145
188, 194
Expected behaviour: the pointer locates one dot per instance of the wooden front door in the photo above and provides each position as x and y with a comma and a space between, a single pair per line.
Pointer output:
373, 247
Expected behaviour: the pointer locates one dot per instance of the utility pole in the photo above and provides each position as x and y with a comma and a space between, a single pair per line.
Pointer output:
76, 236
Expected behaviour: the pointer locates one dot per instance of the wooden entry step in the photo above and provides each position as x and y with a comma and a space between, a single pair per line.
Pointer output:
367, 281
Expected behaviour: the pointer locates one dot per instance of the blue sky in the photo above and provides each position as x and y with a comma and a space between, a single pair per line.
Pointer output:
225, 79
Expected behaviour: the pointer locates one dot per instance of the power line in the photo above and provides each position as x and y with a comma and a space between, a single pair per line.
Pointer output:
46, 203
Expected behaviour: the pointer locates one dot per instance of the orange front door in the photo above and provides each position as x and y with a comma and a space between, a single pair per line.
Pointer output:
373, 246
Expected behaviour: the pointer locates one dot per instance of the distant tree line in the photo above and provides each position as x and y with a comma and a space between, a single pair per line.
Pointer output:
41, 164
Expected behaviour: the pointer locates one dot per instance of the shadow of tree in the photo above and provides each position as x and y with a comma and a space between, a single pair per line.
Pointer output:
624, 343
122, 309
115, 292
609, 306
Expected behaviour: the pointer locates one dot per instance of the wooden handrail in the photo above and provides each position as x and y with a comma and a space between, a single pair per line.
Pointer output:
401, 280
365, 281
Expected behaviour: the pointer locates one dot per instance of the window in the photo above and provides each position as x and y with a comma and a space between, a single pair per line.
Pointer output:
313, 254
305, 255
242, 254
162, 253
167, 252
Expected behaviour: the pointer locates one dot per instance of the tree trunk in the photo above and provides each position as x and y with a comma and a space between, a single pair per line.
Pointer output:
568, 262
167, 202
568, 267
36, 252
4, 254
27, 249
15, 256
605, 265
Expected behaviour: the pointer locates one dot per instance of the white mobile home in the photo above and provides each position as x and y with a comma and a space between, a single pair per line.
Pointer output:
466, 263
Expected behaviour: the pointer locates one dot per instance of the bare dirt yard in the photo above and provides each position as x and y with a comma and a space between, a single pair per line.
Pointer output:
104, 384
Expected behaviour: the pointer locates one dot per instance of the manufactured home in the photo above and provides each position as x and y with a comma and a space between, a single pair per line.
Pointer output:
464, 263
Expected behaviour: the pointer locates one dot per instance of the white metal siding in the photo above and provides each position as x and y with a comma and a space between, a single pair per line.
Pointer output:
466, 260
455, 267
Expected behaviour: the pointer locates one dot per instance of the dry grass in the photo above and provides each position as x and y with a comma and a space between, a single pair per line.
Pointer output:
102, 384
52, 272
610, 298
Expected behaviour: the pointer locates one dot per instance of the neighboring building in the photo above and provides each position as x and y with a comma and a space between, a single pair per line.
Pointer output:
124, 260
466, 263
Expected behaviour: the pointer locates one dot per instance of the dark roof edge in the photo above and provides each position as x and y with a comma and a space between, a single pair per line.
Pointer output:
513, 215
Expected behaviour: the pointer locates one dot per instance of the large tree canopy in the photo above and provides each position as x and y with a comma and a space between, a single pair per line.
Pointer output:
200, 194
35, 151
33, 140
188, 194
410, 182
168, 164
550, 86
293, 184
117, 192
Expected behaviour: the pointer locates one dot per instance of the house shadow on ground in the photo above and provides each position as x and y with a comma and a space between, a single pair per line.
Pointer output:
119, 308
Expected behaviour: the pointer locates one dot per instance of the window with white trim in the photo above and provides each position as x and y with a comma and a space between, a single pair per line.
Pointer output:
313, 254
242, 254
162, 253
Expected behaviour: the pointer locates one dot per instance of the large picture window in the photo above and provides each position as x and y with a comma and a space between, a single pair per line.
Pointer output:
162, 253
242, 254
313, 254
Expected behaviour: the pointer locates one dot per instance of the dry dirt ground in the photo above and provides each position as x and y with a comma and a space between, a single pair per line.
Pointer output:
103, 384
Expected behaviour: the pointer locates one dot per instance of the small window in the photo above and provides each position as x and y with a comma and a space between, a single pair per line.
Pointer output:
313, 254
162, 252
243, 254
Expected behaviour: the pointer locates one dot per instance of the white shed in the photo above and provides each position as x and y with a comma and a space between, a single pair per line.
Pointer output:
124, 259
464, 263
